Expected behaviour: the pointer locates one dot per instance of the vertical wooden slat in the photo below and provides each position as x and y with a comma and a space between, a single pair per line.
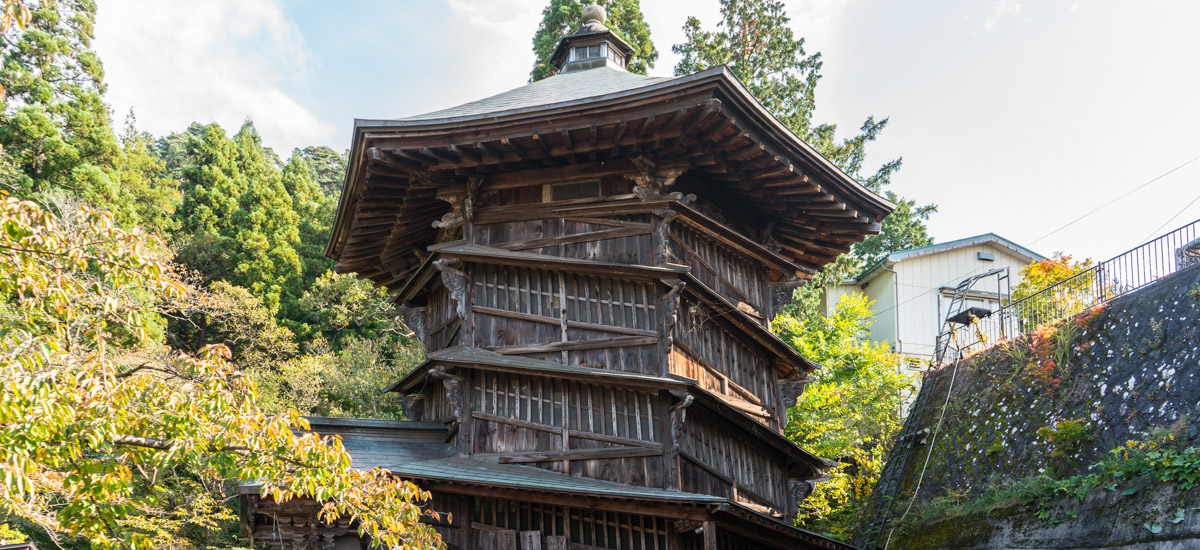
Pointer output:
562, 291
566, 428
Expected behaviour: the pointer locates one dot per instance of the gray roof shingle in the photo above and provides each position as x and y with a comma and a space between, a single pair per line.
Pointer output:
408, 453
556, 89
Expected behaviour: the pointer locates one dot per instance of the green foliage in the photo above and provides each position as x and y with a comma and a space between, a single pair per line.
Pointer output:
562, 17
1065, 439
108, 435
343, 306
314, 211
328, 168
55, 124
146, 199
849, 413
237, 221
1074, 290
1158, 460
351, 381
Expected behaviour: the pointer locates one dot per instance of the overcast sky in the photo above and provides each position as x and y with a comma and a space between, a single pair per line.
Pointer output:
1015, 117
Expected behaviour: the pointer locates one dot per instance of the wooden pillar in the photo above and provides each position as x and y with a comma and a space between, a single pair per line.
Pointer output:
670, 442
463, 516
710, 535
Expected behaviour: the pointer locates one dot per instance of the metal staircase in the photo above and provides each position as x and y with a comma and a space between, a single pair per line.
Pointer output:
958, 316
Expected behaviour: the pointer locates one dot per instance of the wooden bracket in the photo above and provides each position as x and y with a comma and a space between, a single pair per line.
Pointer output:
455, 281
791, 389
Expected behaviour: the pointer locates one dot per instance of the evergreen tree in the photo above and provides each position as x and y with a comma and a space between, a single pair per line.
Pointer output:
328, 168
315, 212
237, 222
562, 17
146, 198
265, 229
54, 123
754, 41
172, 150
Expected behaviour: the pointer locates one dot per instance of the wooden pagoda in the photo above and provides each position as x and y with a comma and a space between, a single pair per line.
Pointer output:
592, 262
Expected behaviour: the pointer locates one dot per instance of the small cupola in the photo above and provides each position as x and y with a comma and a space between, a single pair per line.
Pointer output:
592, 45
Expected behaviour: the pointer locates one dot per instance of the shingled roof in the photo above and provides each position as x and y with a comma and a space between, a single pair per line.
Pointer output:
548, 92
707, 123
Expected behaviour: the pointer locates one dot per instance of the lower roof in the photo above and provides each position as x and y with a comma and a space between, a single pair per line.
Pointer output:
406, 449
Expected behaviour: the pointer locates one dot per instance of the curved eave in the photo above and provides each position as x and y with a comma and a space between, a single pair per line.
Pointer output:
720, 77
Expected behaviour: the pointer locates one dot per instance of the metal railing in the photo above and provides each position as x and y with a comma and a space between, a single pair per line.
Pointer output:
1120, 275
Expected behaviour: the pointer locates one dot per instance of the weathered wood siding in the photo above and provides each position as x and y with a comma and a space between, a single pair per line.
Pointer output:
444, 324
524, 418
583, 528
737, 277
620, 239
723, 363
437, 404
718, 461
569, 318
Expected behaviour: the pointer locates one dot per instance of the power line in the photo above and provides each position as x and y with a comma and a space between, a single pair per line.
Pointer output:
1126, 194
955, 280
1177, 214
1069, 224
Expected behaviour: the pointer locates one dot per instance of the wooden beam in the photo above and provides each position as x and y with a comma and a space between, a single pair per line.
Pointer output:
620, 132
641, 133
465, 151
540, 140
572, 239
667, 509
675, 118
570, 324
716, 129
577, 454
573, 433
444, 155
578, 345
512, 145
413, 155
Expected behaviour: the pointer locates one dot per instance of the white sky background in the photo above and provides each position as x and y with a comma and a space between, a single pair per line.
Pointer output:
1015, 117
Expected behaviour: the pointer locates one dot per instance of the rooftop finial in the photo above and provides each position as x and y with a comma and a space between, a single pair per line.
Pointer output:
594, 16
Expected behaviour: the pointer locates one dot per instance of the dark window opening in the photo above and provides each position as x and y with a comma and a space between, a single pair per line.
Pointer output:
568, 191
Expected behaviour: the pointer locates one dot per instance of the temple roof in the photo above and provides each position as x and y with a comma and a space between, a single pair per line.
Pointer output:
405, 449
706, 124
548, 92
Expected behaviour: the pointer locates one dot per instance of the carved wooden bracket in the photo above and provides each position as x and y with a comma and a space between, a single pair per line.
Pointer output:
671, 306
415, 319
455, 281
781, 295
767, 238
662, 233
791, 389
453, 385
413, 407
652, 182
801, 490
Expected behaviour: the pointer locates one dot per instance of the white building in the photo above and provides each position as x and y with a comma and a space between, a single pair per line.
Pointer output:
912, 288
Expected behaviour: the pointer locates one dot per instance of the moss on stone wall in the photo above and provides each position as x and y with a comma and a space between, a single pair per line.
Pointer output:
1056, 401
